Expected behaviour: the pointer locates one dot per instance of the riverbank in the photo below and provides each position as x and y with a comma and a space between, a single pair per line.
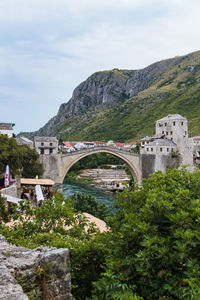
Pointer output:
104, 179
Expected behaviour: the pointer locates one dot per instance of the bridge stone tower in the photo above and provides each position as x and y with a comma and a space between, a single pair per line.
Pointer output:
175, 128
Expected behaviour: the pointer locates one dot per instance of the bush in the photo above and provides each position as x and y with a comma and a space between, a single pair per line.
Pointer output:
154, 250
3, 211
86, 203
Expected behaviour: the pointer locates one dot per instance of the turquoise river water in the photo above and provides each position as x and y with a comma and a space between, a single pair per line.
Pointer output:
71, 187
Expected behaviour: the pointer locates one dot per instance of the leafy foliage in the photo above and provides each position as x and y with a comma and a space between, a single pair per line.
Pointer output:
155, 247
3, 211
95, 161
20, 158
55, 224
87, 203
151, 251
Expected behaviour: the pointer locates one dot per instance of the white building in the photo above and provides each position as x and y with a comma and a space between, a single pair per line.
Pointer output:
160, 146
7, 128
171, 135
46, 145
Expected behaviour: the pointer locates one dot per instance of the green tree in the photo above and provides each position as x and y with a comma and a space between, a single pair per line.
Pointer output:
55, 224
136, 149
20, 158
31, 165
86, 203
155, 246
3, 211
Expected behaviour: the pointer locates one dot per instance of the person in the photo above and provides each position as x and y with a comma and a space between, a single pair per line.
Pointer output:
40, 202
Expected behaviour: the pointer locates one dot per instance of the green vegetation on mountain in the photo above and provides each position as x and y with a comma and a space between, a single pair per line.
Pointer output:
96, 160
123, 105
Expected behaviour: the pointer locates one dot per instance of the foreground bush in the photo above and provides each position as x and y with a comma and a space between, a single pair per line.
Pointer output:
55, 224
151, 252
154, 251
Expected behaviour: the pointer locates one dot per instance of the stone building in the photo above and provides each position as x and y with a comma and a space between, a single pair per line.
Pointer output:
46, 145
171, 136
175, 128
22, 140
160, 146
7, 128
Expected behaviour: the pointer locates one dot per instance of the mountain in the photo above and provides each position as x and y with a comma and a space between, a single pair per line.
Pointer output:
123, 105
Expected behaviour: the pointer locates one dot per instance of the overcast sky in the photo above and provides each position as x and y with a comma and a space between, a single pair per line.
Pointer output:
48, 47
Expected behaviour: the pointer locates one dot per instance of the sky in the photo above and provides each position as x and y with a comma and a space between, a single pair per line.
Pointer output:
48, 47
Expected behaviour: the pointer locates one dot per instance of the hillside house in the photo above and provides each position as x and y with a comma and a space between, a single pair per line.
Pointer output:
7, 128
22, 140
46, 145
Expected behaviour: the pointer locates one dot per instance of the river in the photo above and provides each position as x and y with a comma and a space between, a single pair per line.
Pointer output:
71, 187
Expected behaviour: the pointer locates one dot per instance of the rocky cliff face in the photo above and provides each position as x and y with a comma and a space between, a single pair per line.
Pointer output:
42, 273
105, 90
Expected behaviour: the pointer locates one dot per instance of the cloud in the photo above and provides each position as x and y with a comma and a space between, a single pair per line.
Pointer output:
48, 47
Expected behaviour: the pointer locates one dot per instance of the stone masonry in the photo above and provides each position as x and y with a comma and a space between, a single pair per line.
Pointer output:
42, 273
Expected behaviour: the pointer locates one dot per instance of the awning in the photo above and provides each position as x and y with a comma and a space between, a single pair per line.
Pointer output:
33, 181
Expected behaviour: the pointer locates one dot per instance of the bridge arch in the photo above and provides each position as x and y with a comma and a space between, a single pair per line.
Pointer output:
131, 159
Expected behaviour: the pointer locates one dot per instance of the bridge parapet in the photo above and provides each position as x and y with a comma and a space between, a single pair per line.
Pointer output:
102, 149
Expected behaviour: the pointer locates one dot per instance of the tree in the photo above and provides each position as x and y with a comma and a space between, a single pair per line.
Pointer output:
31, 165
136, 149
155, 246
3, 211
86, 203
20, 158
56, 224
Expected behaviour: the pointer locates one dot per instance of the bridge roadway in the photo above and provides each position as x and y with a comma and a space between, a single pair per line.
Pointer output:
101, 148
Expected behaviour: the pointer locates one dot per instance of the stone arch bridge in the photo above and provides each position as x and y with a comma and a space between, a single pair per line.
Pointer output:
56, 166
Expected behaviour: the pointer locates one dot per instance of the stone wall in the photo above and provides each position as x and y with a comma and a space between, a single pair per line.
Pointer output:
148, 164
42, 273
10, 191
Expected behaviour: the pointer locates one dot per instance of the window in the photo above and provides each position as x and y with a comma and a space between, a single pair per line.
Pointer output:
174, 123
165, 124
147, 149
160, 124
171, 132
182, 123
167, 133
42, 144
151, 149
167, 149
147, 142
41, 151
171, 139
51, 144
50, 151
162, 132
185, 132
160, 149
